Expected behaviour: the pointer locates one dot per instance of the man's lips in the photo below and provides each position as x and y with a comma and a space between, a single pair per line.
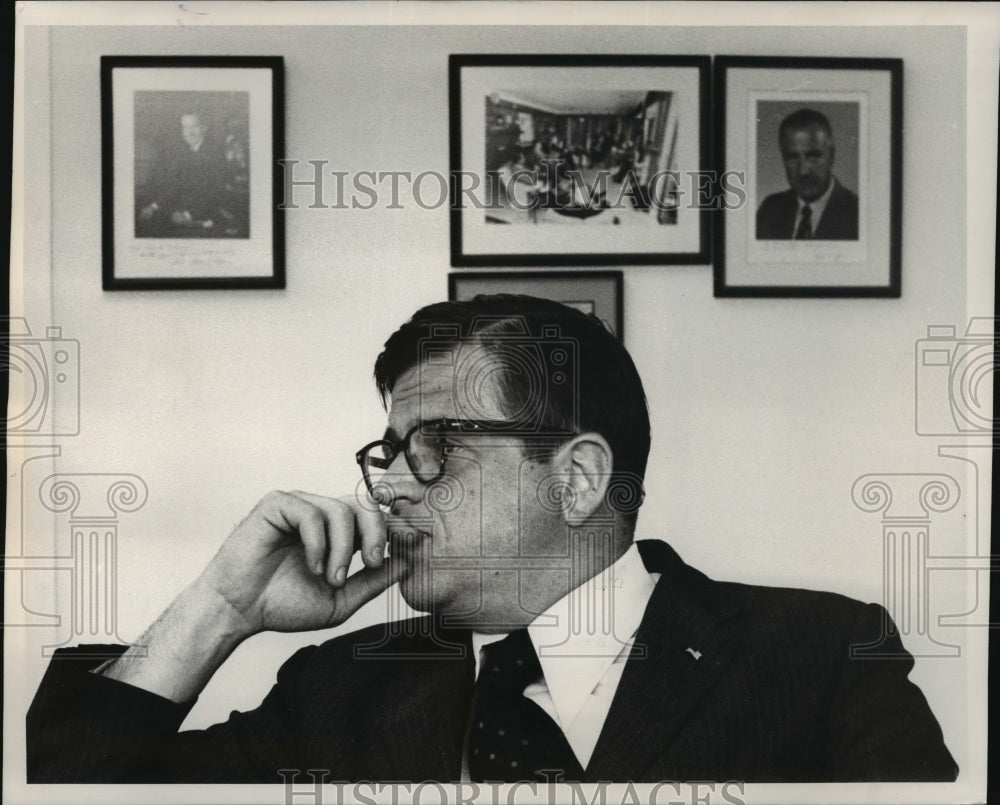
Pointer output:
404, 538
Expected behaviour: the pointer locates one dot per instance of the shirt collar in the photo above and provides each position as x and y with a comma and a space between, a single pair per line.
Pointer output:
578, 638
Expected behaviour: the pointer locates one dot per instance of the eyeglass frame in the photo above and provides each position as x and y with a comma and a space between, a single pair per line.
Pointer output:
445, 425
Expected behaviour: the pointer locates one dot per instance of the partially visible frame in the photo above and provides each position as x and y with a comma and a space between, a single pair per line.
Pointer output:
855, 250
596, 292
561, 160
191, 175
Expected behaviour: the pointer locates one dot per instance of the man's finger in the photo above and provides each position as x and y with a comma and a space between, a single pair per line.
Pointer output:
340, 534
368, 525
371, 531
341, 539
291, 514
365, 585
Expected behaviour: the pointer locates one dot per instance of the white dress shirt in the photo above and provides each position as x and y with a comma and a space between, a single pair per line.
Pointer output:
583, 642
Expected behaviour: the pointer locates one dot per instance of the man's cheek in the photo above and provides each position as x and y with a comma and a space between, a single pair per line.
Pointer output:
458, 529
455, 536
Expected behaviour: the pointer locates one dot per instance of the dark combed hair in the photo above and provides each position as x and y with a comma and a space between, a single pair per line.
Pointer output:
604, 394
804, 119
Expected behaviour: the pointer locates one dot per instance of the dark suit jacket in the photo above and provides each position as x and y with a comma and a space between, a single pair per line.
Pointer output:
774, 696
201, 183
776, 217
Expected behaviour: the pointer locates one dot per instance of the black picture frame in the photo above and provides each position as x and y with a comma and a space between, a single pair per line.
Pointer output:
614, 109
598, 292
757, 251
191, 174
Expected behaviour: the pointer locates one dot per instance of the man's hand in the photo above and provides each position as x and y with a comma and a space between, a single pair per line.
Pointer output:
284, 568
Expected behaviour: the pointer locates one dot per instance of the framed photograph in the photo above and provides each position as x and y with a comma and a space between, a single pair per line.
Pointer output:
811, 154
191, 182
578, 160
596, 292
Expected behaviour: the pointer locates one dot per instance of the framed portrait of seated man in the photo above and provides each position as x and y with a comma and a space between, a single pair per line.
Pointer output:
810, 152
190, 172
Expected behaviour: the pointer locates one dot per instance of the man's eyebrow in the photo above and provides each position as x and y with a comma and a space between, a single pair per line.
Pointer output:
390, 435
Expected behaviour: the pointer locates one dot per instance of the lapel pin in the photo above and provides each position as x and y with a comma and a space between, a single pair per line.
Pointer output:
693, 653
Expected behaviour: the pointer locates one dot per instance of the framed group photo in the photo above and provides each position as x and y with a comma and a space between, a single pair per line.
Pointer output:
191, 175
814, 148
598, 293
560, 160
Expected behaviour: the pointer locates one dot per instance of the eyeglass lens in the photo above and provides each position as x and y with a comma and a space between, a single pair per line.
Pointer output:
425, 452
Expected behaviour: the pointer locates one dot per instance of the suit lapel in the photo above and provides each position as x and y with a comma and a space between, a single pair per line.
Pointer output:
663, 681
832, 224
426, 711
791, 217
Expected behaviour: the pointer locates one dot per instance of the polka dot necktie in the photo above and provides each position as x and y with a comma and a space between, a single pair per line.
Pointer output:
511, 737
805, 230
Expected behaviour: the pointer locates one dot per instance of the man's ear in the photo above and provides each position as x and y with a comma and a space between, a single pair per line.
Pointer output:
586, 461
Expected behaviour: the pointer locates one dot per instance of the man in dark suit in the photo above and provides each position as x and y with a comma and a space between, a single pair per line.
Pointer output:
507, 487
192, 190
816, 206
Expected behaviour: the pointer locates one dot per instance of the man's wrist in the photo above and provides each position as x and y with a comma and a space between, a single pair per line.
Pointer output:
179, 653
212, 617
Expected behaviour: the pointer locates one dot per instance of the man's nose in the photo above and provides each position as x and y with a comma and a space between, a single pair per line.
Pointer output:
398, 484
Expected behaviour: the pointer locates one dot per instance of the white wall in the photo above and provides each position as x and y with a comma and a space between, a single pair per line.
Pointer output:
764, 411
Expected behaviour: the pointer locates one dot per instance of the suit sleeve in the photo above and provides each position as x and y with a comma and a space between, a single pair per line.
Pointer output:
85, 728
881, 727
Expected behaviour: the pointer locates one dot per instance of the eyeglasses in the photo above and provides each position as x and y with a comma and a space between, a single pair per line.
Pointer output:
426, 448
